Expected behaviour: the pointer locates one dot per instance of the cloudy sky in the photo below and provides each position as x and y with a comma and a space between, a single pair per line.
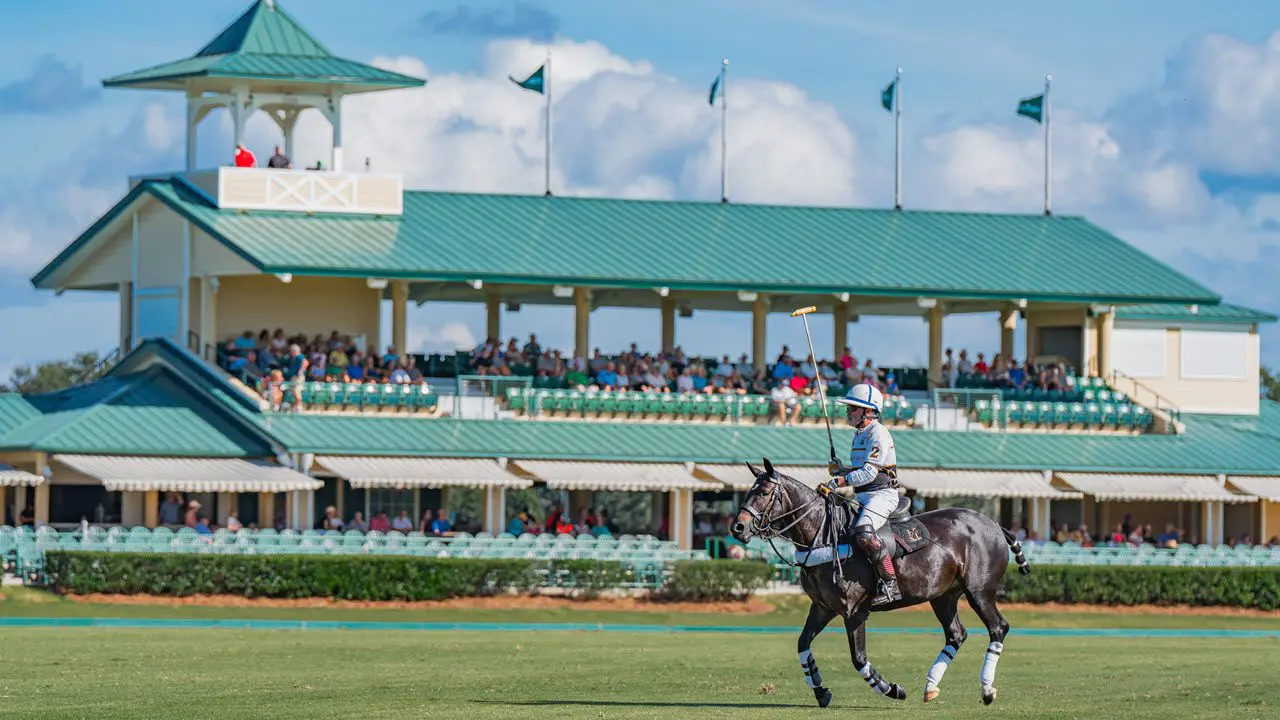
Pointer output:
1165, 130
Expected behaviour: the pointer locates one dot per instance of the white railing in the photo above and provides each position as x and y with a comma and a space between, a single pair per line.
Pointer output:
313, 191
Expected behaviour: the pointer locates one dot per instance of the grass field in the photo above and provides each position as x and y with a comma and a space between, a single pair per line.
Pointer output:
151, 673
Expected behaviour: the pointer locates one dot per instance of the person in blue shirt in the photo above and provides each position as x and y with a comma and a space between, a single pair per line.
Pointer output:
441, 526
517, 524
608, 377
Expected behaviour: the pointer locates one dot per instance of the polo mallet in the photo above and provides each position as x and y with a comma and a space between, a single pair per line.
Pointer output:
803, 314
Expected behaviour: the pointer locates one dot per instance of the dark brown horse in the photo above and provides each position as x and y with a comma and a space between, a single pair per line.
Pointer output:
963, 552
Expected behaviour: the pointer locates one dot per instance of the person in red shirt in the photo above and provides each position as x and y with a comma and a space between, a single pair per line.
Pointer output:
981, 367
245, 158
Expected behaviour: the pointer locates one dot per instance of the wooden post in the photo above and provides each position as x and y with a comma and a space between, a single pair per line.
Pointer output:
151, 509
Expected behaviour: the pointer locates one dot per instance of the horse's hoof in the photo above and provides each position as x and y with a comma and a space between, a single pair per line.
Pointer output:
988, 699
824, 697
897, 692
930, 695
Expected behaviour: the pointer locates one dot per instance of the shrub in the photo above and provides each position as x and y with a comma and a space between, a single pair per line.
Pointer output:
1257, 587
302, 576
715, 580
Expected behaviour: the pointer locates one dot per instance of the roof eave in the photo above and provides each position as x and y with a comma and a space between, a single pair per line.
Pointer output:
685, 285
176, 81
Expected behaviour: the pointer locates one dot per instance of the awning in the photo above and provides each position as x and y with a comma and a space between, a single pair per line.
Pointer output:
625, 476
1152, 488
981, 483
11, 477
738, 477
121, 473
401, 472
1266, 488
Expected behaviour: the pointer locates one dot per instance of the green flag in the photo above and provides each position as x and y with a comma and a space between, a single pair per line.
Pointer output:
1032, 107
533, 82
715, 91
886, 95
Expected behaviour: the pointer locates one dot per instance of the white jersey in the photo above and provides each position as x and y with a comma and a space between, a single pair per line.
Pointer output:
873, 444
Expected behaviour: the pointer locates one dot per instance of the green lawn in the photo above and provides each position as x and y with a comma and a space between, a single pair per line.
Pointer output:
100, 673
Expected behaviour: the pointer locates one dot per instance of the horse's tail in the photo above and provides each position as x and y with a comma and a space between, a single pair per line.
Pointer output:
1016, 547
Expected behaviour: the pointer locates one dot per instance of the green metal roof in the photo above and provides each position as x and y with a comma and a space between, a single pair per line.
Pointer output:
265, 43
1222, 313
691, 246
153, 413
1211, 445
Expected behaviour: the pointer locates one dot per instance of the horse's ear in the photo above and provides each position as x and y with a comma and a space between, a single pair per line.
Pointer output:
768, 467
755, 471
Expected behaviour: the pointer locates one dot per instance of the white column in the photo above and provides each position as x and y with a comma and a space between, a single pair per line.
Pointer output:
335, 119
495, 509
192, 123
237, 118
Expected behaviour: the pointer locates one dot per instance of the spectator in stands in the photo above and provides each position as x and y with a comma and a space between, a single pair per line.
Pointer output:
603, 525
517, 525
191, 519
331, 520
403, 522
684, 383
380, 522
296, 375
278, 342
279, 161
870, 375
1170, 537
981, 367
532, 348
244, 158
847, 360
170, 509
399, 376
948, 378
785, 402
233, 521
441, 526
358, 523
202, 526
783, 370
553, 517
607, 377
999, 374
273, 390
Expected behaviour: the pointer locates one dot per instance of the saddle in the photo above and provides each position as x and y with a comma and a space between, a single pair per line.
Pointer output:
903, 535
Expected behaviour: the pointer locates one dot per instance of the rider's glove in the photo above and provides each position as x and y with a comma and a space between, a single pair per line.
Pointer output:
825, 488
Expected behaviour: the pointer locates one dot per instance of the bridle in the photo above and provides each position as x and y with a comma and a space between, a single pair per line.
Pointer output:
762, 523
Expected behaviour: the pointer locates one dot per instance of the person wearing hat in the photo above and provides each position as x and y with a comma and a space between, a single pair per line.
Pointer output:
872, 478
191, 519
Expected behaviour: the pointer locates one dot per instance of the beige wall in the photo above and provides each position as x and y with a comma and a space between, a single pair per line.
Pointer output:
315, 306
1201, 396
1039, 318
111, 263
160, 247
210, 257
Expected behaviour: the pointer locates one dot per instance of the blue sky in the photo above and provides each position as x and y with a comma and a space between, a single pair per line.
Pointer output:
1164, 117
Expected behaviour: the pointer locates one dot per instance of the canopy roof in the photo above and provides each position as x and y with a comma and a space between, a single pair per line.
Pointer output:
452, 239
188, 474
11, 477
269, 50
1176, 488
402, 472
984, 483
624, 476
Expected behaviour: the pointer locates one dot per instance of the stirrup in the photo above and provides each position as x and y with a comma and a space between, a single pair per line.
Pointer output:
889, 593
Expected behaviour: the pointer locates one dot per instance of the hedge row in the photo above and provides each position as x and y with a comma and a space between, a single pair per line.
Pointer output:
1254, 587
378, 577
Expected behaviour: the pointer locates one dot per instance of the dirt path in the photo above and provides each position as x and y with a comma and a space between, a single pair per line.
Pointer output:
754, 606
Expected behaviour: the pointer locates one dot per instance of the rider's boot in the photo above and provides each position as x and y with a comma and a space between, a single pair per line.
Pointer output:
889, 592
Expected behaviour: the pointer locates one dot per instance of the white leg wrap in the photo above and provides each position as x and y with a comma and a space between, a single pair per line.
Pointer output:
939, 668
810, 668
988, 676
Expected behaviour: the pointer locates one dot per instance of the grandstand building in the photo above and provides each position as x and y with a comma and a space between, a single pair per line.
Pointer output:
1160, 419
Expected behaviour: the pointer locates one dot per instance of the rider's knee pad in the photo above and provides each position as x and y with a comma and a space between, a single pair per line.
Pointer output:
866, 538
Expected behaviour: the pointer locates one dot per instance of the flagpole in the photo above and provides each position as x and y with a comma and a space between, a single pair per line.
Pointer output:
724, 132
897, 121
1048, 151
546, 80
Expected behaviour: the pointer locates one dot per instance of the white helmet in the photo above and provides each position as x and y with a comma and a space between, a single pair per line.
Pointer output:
864, 395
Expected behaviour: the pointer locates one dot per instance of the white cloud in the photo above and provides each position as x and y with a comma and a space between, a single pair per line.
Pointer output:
624, 129
451, 336
620, 128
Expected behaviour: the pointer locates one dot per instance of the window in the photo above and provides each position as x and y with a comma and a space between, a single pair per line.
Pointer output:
1214, 355
1139, 352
